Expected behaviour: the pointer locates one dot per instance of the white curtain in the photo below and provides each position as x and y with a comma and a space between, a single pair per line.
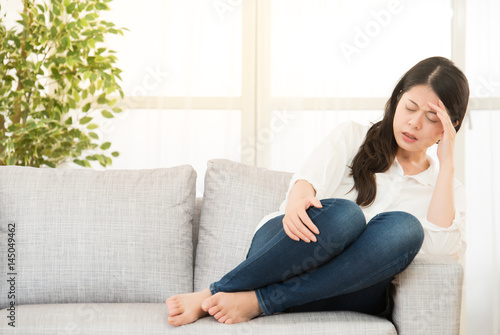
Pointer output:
176, 56
482, 292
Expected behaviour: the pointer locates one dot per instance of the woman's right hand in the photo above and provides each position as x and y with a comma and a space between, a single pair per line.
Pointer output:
297, 224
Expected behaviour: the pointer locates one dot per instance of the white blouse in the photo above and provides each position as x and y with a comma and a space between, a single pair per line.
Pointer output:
327, 169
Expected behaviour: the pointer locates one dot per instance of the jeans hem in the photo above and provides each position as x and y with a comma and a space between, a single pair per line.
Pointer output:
262, 305
212, 288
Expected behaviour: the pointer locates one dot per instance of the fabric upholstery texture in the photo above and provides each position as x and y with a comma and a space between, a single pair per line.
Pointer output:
97, 236
235, 199
133, 319
427, 296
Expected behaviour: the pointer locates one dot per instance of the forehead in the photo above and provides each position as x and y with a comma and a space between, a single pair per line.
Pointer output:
421, 95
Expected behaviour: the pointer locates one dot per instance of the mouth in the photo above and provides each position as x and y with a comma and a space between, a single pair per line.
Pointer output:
409, 137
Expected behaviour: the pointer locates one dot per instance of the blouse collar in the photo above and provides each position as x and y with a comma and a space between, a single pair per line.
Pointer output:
426, 177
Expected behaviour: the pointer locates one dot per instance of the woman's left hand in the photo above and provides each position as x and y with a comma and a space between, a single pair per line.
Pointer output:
447, 142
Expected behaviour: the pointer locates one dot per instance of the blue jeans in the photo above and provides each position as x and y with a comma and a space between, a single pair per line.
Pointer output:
349, 267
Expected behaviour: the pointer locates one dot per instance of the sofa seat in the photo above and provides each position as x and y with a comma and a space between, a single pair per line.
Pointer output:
151, 318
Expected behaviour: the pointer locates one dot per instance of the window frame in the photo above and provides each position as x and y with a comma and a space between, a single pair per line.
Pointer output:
256, 104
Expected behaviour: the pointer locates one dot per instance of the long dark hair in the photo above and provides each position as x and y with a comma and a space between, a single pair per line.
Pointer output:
379, 148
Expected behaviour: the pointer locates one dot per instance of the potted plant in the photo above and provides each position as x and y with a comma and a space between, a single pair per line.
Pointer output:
55, 75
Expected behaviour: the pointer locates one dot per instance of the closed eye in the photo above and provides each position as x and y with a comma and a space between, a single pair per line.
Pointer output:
411, 110
432, 116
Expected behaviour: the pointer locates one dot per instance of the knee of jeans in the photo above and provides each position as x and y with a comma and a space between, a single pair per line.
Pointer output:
343, 217
409, 229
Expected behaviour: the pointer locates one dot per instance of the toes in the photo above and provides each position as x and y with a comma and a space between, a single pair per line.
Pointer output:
172, 302
228, 321
219, 316
174, 307
209, 303
173, 321
214, 310
223, 319
173, 311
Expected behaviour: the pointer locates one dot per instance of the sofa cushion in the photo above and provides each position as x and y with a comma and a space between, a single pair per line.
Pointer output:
236, 197
97, 236
133, 319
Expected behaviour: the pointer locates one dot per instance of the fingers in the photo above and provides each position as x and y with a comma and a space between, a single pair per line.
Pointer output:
290, 234
305, 220
316, 203
298, 226
443, 115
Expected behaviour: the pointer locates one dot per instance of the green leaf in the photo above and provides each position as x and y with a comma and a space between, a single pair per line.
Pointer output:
71, 8
107, 114
84, 163
79, 162
102, 99
115, 154
71, 103
85, 120
71, 26
91, 17
117, 110
65, 42
76, 96
92, 126
41, 18
101, 6
50, 164
84, 24
106, 145
86, 108
94, 135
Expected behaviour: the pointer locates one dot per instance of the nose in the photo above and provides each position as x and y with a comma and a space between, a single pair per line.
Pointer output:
415, 120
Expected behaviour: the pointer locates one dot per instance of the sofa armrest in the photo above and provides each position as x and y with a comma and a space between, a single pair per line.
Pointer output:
428, 296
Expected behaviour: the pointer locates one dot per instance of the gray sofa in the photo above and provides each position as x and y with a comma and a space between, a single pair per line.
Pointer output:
98, 252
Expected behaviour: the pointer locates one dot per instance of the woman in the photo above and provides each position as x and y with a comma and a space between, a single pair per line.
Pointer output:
356, 214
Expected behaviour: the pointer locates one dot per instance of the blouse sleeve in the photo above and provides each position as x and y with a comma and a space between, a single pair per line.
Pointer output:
326, 165
449, 241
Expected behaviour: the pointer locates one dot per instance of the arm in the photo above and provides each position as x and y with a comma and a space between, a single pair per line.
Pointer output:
318, 178
297, 224
441, 210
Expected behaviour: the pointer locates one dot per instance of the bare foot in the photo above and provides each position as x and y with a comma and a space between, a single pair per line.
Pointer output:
232, 307
186, 308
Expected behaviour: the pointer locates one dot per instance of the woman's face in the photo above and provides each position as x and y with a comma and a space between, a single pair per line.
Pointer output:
416, 125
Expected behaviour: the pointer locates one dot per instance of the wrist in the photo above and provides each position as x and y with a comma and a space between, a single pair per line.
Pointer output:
447, 165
